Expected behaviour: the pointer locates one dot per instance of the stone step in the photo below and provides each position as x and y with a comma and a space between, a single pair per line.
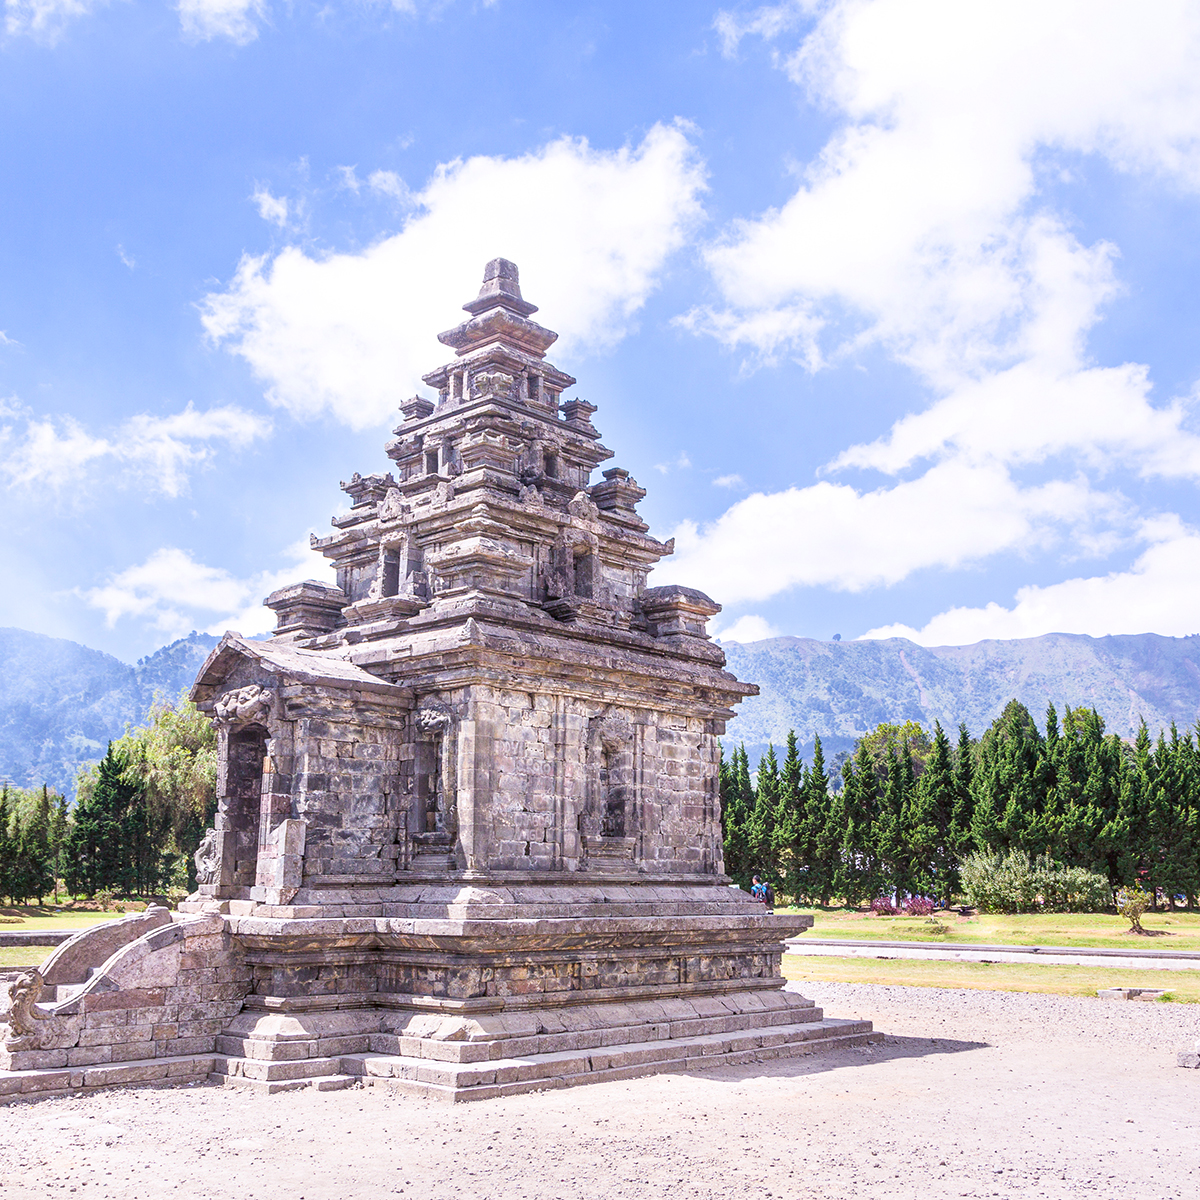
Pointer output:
55, 1081
237, 1045
502, 1076
411, 1046
270, 1087
264, 1070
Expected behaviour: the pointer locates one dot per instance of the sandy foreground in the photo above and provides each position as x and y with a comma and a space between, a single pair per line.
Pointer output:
972, 1094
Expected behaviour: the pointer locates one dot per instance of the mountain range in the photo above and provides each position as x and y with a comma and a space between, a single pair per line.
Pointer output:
61, 702
842, 689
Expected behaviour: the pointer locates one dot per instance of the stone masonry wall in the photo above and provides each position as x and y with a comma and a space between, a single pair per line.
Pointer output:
529, 756
155, 1006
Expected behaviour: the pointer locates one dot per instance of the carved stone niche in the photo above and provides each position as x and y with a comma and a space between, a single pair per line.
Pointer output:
228, 856
608, 824
433, 819
574, 582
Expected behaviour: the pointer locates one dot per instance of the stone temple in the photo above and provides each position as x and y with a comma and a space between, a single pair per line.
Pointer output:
468, 839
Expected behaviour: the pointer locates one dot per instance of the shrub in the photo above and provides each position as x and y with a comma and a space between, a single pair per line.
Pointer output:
918, 906
1017, 883
1131, 903
106, 898
883, 907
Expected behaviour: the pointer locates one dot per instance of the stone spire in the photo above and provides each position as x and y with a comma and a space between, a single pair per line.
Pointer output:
501, 288
492, 507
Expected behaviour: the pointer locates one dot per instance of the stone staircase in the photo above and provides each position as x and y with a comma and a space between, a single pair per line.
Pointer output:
502, 1054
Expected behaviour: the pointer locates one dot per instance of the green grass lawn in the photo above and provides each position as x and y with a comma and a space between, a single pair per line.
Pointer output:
32, 919
23, 956
1168, 931
1182, 986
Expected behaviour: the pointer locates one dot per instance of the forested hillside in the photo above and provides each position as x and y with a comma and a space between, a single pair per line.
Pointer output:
61, 703
912, 808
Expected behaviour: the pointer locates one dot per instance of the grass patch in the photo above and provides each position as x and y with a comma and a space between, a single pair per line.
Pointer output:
31, 919
23, 956
1182, 986
1171, 931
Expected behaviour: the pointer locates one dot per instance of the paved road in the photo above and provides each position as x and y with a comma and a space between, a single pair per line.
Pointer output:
1076, 956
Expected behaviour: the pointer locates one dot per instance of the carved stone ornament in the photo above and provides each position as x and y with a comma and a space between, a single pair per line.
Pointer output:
583, 507
392, 506
208, 858
246, 705
431, 720
27, 1024
492, 383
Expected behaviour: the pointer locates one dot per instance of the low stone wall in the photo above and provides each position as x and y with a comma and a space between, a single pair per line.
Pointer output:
39, 937
152, 1011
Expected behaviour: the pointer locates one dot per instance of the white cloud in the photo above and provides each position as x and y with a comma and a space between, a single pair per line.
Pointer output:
921, 216
1102, 417
127, 259
1157, 594
832, 535
270, 208
44, 20
56, 452
203, 20
767, 22
750, 628
923, 228
388, 183
681, 463
350, 333
729, 481
175, 593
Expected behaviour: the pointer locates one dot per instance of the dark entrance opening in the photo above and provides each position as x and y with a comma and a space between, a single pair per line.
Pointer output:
243, 801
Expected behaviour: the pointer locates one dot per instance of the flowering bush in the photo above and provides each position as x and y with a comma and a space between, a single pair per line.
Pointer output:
883, 907
918, 906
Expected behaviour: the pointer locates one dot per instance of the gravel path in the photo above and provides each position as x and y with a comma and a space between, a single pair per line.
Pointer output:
972, 1094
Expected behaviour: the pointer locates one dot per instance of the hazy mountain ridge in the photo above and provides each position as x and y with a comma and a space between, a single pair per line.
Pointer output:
61, 702
841, 689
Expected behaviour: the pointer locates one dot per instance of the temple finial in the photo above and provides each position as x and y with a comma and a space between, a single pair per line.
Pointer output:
501, 289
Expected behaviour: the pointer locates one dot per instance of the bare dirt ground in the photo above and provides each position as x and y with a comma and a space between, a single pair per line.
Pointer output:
972, 1094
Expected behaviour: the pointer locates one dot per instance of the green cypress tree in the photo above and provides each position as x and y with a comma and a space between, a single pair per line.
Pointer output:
888, 835
762, 823
60, 835
33, 849
1137, 834
859, 802
789, 823
823, 836
7, 849
927, 823
100, 856
734, 818
960, 838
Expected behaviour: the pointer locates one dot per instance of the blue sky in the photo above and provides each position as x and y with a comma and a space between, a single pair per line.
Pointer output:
891, 306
